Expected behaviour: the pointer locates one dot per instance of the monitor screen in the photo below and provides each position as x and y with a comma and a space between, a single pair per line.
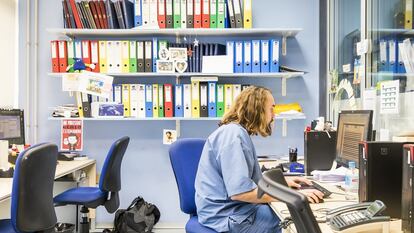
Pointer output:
12, 126
353, 127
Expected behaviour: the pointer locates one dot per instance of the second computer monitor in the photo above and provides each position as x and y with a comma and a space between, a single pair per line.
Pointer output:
353, 127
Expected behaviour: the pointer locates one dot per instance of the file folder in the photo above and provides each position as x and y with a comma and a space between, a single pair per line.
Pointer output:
63, 56
145, 13
178, 100
126, 99
408, 14
236, 91
148, 56
256, 56
140, 57
160, 100
183, 13
264, 67
383, 55
95, 55
195, 99
79, 103
154, 54
148, 100
137, 13
125, 56
86, 105
238, 19
153, 13
197, 13
86, 53
169, 19
177, 13
155, 100
205, 13
212, 99
132, 56
161, 14
102, 57
221, 12
187, 100
190, 13
213, 13
128, 13
134, 98
228, 97
230, 53
117, 93
168, 101
78, 49
141, 100
220, 100
71, 54
55, 54
247, 13
274, 55
247, 56
114, 56
203, 99
401, 67
231, 16
393, 55
238, 57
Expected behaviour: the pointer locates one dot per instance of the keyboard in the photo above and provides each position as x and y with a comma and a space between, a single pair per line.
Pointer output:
326, 193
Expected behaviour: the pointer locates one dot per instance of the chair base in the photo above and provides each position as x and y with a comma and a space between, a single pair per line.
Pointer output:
84, 221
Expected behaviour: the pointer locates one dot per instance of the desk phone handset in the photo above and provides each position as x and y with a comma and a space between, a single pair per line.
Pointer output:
357, 215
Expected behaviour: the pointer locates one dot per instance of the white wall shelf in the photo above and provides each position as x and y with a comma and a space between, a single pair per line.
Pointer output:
194, 32
283, 75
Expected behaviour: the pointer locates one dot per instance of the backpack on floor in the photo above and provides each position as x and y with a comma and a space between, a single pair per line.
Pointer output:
140, 217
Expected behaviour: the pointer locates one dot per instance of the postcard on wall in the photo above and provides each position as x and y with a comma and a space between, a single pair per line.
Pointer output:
70, 82
71, 135
390, 97
96, 84
169, 136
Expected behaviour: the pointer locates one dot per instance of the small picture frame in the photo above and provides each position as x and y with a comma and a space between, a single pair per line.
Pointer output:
180, 66
164, 54
178, 54
165, 67
169, 136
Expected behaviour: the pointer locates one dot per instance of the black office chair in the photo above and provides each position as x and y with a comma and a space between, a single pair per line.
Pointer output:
107, 192
32, 207
296, 202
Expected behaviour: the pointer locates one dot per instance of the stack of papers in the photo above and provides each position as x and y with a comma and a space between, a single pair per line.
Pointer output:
336, 175
67, 110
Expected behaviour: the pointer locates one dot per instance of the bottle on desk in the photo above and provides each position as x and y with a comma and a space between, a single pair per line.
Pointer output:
351, 178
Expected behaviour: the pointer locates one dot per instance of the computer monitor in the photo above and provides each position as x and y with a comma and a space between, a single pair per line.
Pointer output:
12, 126
353, 127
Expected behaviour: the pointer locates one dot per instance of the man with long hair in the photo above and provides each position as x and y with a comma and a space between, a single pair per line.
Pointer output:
228, 172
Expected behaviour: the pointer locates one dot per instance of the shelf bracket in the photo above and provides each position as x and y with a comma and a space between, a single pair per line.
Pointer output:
284, 127
284, 86
284, 45
178, 127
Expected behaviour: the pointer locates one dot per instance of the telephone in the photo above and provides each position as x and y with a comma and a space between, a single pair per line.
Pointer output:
362, 215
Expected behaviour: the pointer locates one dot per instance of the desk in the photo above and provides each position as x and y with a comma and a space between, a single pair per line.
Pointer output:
63, 168
334, 201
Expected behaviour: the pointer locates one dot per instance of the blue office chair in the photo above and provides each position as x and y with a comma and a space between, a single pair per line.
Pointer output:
107, 192
184, 156
32, 207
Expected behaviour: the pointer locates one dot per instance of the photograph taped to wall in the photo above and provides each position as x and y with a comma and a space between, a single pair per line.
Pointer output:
71, 135
169, 136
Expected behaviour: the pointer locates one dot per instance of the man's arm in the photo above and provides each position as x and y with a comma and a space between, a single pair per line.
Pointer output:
251, 197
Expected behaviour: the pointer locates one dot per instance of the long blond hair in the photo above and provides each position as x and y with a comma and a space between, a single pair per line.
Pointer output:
248, 110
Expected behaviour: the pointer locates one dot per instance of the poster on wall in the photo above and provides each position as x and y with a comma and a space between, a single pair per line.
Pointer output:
71, 135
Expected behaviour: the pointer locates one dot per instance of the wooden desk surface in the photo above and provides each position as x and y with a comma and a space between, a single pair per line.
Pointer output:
63, 168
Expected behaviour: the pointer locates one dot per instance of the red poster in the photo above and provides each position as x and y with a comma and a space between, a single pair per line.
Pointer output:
72, 135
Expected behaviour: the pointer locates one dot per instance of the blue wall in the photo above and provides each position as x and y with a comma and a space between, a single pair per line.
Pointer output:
146, 169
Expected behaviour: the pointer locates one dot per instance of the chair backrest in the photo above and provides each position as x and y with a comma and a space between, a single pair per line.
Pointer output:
32, 207
110, 180
296, 202
184, 156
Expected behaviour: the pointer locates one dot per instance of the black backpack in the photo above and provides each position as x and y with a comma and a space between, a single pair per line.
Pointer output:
140, 217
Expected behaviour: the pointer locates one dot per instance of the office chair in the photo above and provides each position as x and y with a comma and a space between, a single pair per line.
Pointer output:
32, 207
296, 202
184, 156
107, 192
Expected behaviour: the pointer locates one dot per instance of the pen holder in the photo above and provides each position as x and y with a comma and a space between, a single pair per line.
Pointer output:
293, 156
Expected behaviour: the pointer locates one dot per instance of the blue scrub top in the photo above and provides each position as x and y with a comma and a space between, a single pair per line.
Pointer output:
228, 166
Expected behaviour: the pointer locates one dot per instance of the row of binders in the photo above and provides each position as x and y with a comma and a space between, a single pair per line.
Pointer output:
198, 99
141, 56
123, 14
390, 56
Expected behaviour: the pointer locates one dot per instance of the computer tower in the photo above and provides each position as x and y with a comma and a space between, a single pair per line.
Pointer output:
407, 189
380, 174
319, 150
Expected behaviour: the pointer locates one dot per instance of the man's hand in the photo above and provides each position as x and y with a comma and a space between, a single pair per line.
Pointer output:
313, 195
294, 181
